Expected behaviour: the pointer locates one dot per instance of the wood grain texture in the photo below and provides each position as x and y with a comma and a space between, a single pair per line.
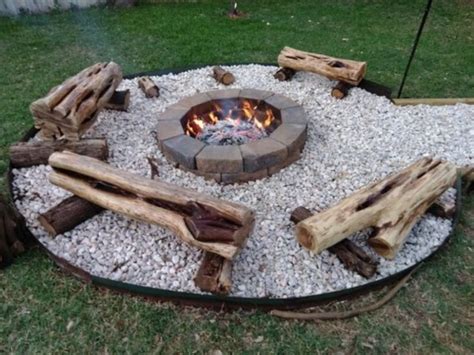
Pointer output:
391, 206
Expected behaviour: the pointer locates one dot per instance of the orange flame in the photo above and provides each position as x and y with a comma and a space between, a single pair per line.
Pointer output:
246, 111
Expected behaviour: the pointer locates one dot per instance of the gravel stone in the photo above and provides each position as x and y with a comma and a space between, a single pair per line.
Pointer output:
351, 142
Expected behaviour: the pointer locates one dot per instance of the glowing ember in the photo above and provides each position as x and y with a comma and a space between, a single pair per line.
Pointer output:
231, 122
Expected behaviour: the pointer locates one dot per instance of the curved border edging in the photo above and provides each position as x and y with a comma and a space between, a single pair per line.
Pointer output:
217, 301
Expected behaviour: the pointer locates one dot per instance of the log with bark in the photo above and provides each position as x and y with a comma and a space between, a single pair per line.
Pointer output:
68, 214
223, 76
69, 109
391, 206
353, 257
205, 222
148, 86
24, 154
14, 236
349, 71
284, 74
341, 90
214, 274
119, 101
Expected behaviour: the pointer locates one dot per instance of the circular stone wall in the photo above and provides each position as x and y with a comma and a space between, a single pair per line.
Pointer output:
233, 163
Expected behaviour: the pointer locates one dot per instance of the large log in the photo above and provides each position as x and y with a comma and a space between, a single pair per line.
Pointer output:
74, 105
214, 274
24, 154
68, 214
353, 257
391, 206
199, 220
349, 71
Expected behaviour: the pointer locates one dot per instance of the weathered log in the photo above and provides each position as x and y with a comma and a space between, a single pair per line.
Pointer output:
148, 86
391, 206
154, 202
346, 70
119, 101
24, 154
353, 257
223, 76
341, 89
214, 274
68, 214
74, 105
284, 74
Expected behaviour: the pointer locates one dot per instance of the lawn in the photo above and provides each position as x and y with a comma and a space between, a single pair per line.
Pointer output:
44, 311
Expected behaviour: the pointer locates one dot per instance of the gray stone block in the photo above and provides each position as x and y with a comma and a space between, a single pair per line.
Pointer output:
255, 94
223, 159
294, 115
262, 154
280, 102
183, 150
291, 135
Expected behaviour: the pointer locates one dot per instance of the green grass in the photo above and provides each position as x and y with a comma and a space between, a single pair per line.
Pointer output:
44, 311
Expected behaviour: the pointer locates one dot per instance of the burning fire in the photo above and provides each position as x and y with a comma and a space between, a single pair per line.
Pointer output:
243, 115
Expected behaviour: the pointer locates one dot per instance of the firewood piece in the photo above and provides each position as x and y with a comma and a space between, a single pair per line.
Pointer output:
214, 274
340, 90
284, 74
74, 105
68, 214
148, 86
391, 206
119, 101
353, 257
26, 154
223, 76
148, 200
349, 71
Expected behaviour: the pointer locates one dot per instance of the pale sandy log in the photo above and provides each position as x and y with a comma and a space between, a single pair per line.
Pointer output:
80, 98
391, 206
148, 86
74, 173
434, 101
349, 71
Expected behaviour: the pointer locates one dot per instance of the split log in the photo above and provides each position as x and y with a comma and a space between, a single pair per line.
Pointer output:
284, 74
349, 71
341, 90
199, 220
223, 76
214, 274
353, 257
391, 206
148, 86
119, 101
74, 105
67, 215
24, 154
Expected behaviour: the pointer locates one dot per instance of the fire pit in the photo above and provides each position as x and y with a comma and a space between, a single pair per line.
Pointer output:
233, 135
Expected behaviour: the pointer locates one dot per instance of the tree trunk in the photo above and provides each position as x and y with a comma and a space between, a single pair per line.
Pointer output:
202, 221
148, 86
119, 101
353, 257
24, 154
67, 215
214, 274
349, 71
74, 105
223, 76
391, 206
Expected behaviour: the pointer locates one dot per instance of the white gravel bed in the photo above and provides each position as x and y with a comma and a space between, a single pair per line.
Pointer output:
351, 142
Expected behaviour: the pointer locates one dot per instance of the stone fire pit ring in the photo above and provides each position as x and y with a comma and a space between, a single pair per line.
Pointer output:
230, 164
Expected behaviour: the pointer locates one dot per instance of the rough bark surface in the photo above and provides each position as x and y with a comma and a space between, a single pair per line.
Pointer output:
214, 274
349, 71
24, 154
391, 206
202, 221
284, 74
67, 215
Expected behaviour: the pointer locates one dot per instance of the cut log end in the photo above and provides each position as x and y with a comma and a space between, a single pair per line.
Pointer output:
284, 74
223, 76
340, 90
148, 86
